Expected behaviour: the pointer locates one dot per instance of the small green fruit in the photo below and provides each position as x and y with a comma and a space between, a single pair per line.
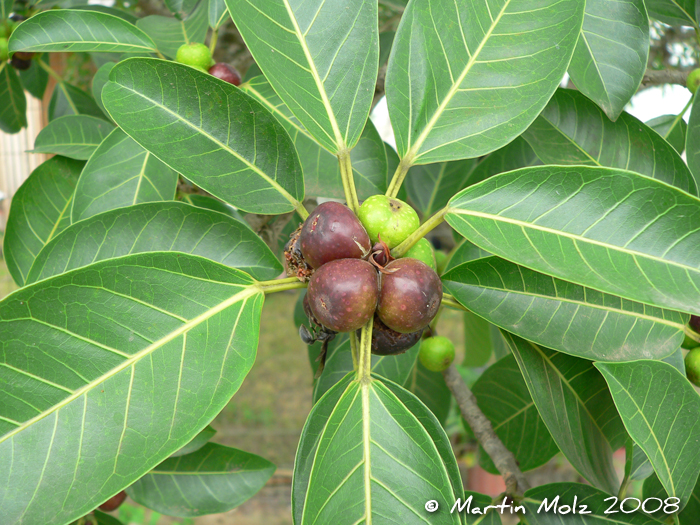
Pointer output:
423, 251
391, 220
693, 80
4, 53
692, 366
194, 54
440, 261
436, 353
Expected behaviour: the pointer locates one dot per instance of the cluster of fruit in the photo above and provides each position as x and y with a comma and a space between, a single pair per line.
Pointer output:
199, 57
20, 60
352, 276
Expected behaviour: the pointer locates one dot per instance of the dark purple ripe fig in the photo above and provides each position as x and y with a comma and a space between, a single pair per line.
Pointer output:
411, 293
343, 294
114, 502
20, 63
332, 232
226, 72
386, 341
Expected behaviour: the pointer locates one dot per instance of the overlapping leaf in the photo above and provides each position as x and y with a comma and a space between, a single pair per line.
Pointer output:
40, 211
69, 100
99, 81
607, 229
611, 55
197, 442
465, 79
673, 12
573, 401
13, 102
654, 489
573, 130
659, 408
211, 480
74, 136
181, 8
431, 186
170, 33
672, 128
210, 203
481, 340
503, 397
5, 8
36, 78
74, 30
320, 57
152, 227
464, 252
321, 170
98, 358
121, 173
692, 139
218, 13
431, 389
564, 316
210, 131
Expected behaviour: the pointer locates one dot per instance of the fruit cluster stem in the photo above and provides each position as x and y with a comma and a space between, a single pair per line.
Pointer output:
421, 232
348, 181
451, 302
398, 178
354, 350
280, 285
364, 368
301, 210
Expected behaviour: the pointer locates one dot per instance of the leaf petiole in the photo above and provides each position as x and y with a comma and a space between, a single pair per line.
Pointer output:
50, 71
213, 40
451, 302
281, 285
421, 232
348, 180
398, 178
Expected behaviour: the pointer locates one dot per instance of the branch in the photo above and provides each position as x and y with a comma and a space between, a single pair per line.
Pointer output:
502, 458
658, 77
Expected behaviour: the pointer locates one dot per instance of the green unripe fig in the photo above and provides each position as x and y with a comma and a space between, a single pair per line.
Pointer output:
692, 366
390, 219
194, 54
423, 251
436, 353
693, 80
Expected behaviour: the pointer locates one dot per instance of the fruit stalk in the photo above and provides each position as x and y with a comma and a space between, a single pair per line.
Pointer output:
421, 232
448, 300
348, 181
280, 285
354, 350
398, 178
503, 459
364, 369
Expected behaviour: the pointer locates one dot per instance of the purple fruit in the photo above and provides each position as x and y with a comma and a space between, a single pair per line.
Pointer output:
386, 341
226, 72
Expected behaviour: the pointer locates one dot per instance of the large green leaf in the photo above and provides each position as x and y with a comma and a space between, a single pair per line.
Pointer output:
152, 227
464, 252
431, 186
573, 401
466, 78
672, 128
214, 479
36, 78
197, 442
481, 340
211, 203
576, 496
692, 139
516, 154
210, 131
40, 211
121, 173
13, 102
321, 57
99, 81
373, 458
431, 389
573, 130
69, 100
660, 408
170, 33
689, 516
67, 30
673, 12
611, 54
74, 136
96, 359
218, 13
607, 229
180, 8
503, 397
564, 316
321, 170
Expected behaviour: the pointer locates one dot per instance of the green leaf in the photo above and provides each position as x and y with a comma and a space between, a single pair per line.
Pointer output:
374, 459
121, 173
641, 467
612, 230
158, 226
431, 186
431, 389
464, 252
105, 519
573, 401
692, 139
67, 30
517, 154
689, 514
465, 79
6, 8
40, 210
13, 102
573, 130
35, 79
181, 8
321, 169
69, 100
575, 495
672, 128
74, 136
169, 33
386, 40
210, 203
197, 442
673, 12
120, 13
504, 399
306, 51
212, 480
204, 130
611, 55
147, 345
660, 408
218, 13
98, 83
564, 316
480, 340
